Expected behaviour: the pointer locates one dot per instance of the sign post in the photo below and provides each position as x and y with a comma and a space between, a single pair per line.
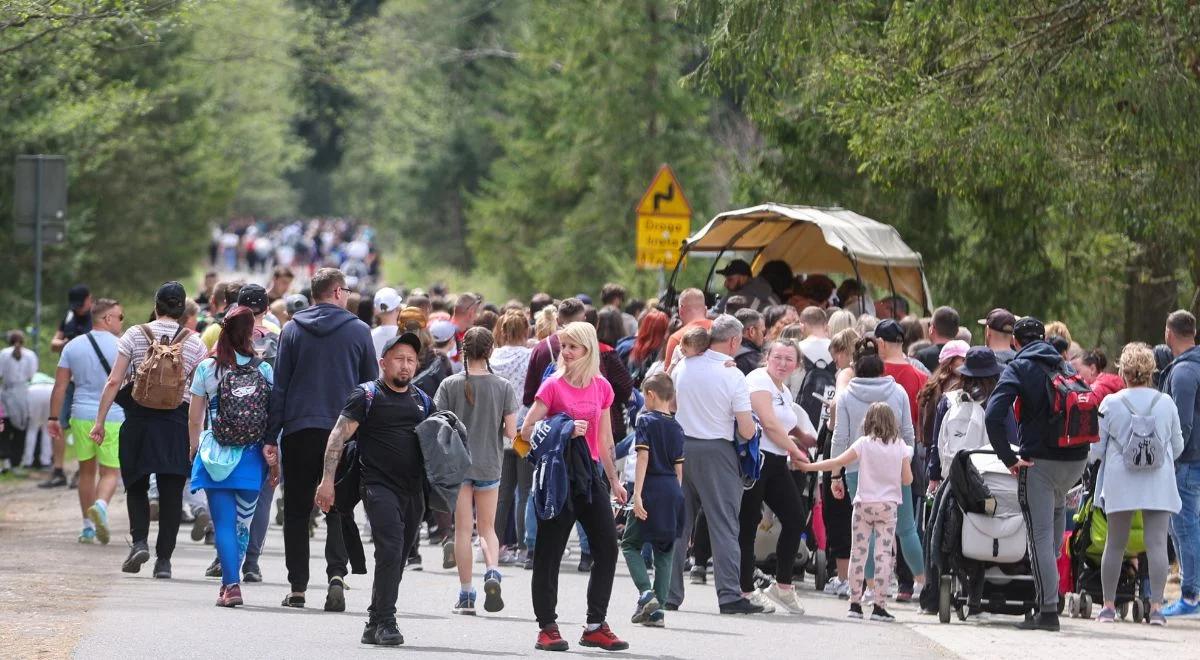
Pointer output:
664, 220
40, 212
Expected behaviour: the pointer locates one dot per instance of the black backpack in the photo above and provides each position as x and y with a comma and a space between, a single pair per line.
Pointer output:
819, 380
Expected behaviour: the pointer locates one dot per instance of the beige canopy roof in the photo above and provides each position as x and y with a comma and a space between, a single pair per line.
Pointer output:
818, 240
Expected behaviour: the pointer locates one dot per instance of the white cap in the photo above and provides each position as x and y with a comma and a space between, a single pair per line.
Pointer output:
443, 331
387, 300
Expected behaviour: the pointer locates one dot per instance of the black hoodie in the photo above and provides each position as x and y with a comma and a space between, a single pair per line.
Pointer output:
1027, 377
324, 353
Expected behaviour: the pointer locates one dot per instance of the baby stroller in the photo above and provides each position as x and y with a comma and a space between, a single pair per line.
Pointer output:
977, 541
1086, 547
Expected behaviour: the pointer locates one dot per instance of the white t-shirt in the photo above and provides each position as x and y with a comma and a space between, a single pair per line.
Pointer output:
708, 394
781, 403
816, 350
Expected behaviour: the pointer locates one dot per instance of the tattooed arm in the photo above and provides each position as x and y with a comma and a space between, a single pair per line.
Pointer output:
342, 431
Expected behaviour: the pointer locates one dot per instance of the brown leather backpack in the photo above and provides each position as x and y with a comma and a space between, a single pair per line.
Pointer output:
161, 378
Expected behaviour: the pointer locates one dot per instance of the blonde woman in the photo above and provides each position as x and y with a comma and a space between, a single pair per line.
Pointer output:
841, 320
578, 390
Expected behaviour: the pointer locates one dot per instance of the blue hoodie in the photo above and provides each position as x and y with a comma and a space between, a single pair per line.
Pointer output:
324, 353
1027, 378
1182, 382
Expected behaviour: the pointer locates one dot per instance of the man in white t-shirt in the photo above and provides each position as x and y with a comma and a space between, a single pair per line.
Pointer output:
815, 345
387, 310
713, 406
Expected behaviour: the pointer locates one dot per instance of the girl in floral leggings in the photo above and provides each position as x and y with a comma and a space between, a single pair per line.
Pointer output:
883, 471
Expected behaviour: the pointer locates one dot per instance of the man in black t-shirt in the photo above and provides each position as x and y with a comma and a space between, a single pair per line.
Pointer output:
384, 422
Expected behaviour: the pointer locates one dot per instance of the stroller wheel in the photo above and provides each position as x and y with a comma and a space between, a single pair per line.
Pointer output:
1085, 606
945, 596
1072, 604
820, 568
1123, 610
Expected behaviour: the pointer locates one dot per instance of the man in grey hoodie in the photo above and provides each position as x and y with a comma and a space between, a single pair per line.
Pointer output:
323, 353
1181, 380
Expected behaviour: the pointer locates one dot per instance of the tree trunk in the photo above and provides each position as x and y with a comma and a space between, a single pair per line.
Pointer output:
1153, 292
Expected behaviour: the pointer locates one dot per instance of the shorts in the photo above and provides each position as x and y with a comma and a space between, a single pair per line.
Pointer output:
483, 484
107, 454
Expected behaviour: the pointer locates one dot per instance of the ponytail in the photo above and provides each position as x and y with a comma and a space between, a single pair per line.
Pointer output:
16, 339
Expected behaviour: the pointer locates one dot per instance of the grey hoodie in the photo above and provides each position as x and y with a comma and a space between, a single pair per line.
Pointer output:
852, 407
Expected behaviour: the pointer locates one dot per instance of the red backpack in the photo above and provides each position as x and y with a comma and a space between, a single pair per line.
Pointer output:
1075, 409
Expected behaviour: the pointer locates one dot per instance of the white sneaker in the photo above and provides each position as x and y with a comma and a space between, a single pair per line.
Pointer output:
833, 586
868, 595
758, 598
786, 598
843, 590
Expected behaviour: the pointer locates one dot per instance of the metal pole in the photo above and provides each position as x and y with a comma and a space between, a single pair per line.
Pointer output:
37, 252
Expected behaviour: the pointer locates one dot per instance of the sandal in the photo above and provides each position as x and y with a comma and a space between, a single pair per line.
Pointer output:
294, 600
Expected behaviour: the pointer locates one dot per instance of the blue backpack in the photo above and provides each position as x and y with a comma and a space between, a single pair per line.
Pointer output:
750, 458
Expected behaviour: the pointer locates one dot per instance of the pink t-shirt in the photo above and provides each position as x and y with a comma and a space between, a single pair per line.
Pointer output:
584, 404
880, 467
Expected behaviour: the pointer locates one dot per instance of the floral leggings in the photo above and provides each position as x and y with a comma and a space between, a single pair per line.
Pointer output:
879, 518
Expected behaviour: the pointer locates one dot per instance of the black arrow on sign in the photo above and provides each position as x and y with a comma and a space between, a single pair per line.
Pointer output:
660, 197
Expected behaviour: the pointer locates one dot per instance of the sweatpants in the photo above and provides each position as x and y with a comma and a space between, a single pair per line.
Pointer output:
303, 462
596, 517
343, 544
395, 521
777, 488
872, 521
1042, 494
232, 512
1154, 530
258, 526
712, 480
137, 503
663, 554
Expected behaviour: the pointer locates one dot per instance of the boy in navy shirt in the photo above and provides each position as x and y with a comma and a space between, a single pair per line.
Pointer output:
657, 498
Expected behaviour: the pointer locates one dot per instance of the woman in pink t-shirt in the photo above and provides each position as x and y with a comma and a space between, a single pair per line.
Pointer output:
578, 390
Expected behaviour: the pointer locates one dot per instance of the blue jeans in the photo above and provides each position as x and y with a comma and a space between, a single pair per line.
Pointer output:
1185, 528
531, 525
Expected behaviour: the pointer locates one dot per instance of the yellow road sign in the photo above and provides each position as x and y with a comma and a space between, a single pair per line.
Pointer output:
664, 196
659, 238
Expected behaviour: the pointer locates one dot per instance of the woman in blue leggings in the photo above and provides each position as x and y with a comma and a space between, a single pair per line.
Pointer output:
231, 469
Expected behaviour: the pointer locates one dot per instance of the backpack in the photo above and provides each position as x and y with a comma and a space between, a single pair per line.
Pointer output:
266, 344
161, 378
553, 366
1143, 448
816, 387
242, 401
1075, 410
423, 401
962, 428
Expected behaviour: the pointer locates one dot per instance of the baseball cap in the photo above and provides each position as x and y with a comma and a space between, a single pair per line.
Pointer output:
253, 296
1028, 328
171, 297
295, 302
409, 338
1000, 320
735, 267
76, 295
890, 331
442, 331
584, 298
387, 299
953, 349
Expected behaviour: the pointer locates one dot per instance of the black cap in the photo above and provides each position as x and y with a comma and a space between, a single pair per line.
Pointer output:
253, 296
77, 295
890, 331
171, 297
980, 363
1028, 328
735, 267
409, 338
1000, 320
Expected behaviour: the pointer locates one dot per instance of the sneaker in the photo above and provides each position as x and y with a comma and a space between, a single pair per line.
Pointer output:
832, 586
295, 600
232, 596
335, 598
99, 518
448, 561
201, 523
843, 590
251, 574
549, 640
528, 561
585, 566
1041, 621
221, 597
904, 596
602, 638
787, 598
699, 575
465, 603
1182, 607
88, 536
761, 580
508, 557
1107, 615
154, 510
855, 611
414, 563
492, 602
382, 634
647, 604
671, 607
739, 606
139, 553
162, 568
868, 596
214, 569
1157, 619
760, 599
658, 619
878, 613
56, 480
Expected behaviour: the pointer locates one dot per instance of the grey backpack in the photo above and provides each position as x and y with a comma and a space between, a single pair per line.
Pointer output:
1143, 449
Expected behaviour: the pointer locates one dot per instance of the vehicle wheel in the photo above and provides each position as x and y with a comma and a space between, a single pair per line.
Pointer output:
961, 612
1136, 606
1123, 610
1072, 604
945, 595
1085, 606
821, 568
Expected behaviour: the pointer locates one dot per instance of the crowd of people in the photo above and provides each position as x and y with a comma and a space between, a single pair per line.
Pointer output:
659, 434
254, 245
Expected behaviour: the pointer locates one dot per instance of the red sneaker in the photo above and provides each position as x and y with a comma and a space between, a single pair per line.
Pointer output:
221, 597
233, 596
550, 640
603, 638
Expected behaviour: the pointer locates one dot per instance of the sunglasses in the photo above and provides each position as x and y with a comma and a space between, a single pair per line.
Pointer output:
348, 290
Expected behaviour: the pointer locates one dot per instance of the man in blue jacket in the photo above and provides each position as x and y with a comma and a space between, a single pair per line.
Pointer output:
323, 353
1045, 471
1181, 380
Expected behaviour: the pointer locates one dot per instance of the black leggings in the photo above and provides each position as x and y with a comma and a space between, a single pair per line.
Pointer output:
777, 489
170, 511
596, 517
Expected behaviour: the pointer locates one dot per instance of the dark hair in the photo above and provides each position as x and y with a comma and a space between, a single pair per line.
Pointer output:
591, 316
635, 307
325, 282
867, 363
747, 317
610, 326
940, 381
487, 319
1095, 358
16, 339
570, 308
980, 389
778, 274
237, 336
478, 343
776, 312
366, 310
661, 384
736, 303
538, 301
1182, 323
1060, 343
945, 322
898, 304
283, 271
420, 302
913, 330
612, 292
651, 335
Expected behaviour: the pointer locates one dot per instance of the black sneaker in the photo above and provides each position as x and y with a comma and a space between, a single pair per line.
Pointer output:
335, 598
382, 634
740, 606
295, 600
1042, 621
528, 560
414, 563
585, 563
201, 524
699, 575
139, 554
214, 569
251, 574
880, 614
162, 568
57, 480
855, 611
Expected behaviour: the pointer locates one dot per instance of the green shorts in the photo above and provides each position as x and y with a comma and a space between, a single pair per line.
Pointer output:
107, 454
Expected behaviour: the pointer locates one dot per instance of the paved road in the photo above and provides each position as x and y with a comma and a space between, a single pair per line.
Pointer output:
139, 617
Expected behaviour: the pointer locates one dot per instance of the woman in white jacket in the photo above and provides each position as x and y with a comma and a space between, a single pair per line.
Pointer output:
1121, 492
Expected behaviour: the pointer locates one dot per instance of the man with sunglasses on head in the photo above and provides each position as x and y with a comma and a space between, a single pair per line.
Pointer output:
323, 353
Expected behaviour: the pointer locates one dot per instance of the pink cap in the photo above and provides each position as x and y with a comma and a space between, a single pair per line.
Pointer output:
953, 349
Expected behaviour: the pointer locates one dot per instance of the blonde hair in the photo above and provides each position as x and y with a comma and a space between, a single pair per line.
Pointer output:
696, 340
880, 423
512, 328
546, 323
583, 370
841, 320
1137, 364
844, 341
1060, 329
